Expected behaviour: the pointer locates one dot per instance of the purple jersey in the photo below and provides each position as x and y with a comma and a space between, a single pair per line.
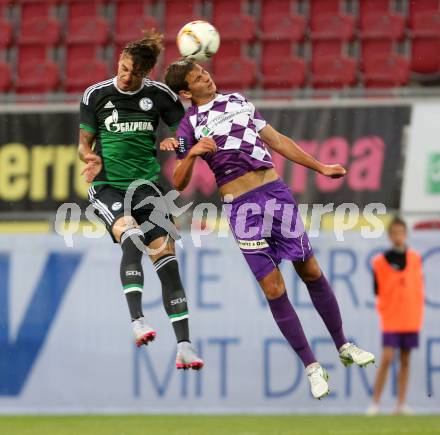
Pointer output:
234, 123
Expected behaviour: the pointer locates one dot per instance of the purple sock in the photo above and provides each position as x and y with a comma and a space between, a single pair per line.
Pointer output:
327, 306
289, 324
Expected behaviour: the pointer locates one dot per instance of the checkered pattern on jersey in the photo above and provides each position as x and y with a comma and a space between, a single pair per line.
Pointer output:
233, 122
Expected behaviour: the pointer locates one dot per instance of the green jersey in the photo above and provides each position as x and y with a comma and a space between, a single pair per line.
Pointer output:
125, 125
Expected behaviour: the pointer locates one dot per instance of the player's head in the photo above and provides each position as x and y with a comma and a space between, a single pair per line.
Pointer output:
138, 59
397, 232
190, 81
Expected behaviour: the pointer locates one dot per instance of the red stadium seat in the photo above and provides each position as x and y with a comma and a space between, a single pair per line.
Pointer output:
277, 49
324, 49
88, 30
283, 27
379, 32
39, 30
284, 73
382, 26
180, 8
132, 8
330, 33
277, 7
171, 53
426, 24
426, 43
36, 9
79, 9
371, 48
234, 73
230, 49
178, 13
5, 77
37, 78
32, 53
374, 7
425, 57
324, 7
83, 73
334, 72
129, 28
386, 71
226, 8
417, 6
333, 26
236, 28
5, 33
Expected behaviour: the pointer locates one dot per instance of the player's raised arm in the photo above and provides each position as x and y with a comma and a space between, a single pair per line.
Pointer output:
292, 151
183, 170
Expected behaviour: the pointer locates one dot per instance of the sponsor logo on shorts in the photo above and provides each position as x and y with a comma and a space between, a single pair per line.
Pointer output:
145, 104
116, 206
253, 244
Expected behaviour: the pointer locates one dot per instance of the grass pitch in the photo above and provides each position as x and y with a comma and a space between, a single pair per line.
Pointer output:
218, 425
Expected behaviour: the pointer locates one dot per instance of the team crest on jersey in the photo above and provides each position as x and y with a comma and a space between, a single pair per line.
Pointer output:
145, 104
116, 206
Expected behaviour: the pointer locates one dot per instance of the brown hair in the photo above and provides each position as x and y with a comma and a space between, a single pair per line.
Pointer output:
176, 73
397, 221
144, 52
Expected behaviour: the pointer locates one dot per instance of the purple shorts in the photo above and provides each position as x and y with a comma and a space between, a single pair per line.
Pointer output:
400, 340
268, 228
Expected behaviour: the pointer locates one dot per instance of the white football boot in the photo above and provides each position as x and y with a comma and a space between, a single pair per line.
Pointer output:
187, 357
349, 353
318, 378
372, 410
403, 409
143, 332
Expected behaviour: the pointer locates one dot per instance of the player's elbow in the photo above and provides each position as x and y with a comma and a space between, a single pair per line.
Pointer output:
179, 183
274, 142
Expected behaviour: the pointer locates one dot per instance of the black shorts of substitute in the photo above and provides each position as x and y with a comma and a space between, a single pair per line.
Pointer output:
108, 202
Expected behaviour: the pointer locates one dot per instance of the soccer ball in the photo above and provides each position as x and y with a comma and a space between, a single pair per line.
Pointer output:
198, 40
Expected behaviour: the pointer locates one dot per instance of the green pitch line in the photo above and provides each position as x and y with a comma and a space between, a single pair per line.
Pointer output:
219, 425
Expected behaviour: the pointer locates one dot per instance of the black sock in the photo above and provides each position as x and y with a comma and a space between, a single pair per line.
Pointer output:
173, 295
132, 276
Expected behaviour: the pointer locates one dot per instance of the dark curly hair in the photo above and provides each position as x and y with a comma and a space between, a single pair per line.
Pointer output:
175, 74
145, 51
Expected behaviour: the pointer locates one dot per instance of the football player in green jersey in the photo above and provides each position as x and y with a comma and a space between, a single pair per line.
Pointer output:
119, 119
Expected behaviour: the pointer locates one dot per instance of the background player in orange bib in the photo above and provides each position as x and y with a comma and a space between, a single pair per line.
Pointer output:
398, 285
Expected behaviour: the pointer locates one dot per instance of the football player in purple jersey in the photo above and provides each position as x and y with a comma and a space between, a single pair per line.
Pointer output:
228, 133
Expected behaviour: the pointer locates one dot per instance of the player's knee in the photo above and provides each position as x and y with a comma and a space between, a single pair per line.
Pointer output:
274, 289
309, 271
132, 243
122, 225
404, 360
387, 359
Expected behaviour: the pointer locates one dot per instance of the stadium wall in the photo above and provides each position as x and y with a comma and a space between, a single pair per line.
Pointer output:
66, 345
